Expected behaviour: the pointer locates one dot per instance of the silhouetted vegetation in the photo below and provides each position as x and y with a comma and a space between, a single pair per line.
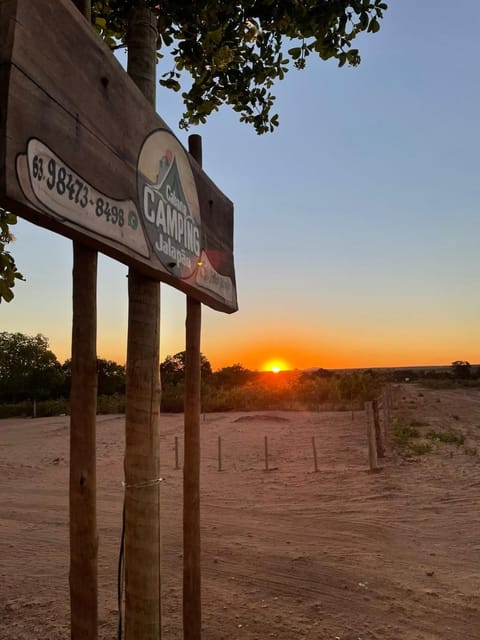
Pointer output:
30, 374
33, 382
28, 369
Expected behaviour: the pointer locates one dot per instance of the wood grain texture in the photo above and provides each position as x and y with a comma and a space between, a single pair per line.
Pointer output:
83, 405
142, 461
192, 601
61, 85
83, 575
191, 476
142, 429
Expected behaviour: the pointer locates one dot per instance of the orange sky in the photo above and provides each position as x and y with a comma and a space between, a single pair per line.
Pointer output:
254, 338
356, 233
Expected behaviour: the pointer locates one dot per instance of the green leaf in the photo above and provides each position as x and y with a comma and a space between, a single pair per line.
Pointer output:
296, 52
170, 84
5, 291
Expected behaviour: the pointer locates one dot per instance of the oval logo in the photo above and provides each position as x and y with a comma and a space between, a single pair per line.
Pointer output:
169, 203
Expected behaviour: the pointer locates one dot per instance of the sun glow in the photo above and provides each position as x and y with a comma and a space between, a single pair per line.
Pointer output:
275, 366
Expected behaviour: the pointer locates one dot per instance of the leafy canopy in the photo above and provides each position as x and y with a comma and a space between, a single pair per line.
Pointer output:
28, 369
172, 369
8, 269
234, 51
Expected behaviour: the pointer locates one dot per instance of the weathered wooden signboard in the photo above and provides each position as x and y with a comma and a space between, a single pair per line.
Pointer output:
83, 153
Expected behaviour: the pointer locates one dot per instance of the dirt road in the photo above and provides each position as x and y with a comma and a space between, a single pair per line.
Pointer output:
289, 553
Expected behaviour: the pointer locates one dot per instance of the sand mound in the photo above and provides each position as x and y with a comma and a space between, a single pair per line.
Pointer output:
264, 418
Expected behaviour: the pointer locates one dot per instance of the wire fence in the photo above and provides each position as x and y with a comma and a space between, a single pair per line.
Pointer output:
309, 442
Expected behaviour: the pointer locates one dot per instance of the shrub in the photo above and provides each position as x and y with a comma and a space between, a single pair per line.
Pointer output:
111, 404
420, 448
418, 423
402, 433
48, 408
16, 410
450, 437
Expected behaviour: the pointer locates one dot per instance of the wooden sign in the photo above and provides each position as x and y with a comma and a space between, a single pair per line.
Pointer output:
83, 153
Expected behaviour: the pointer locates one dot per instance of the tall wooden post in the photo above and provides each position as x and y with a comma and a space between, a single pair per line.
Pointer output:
83, 409
192, 616
142, 454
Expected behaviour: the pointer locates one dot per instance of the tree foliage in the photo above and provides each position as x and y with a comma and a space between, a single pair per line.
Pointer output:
461, 369
172, 369
359, 386
233, 376
111, 377
28, 369
234, 51
8, 268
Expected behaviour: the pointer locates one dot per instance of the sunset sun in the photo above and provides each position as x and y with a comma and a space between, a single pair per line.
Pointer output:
276, 365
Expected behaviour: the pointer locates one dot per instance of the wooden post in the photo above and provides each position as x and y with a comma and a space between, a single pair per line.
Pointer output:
378, 430
192, 618
387, 403
315, 461
372, 445
85, 6
83, 577
83, 407
219, 453
176, 453
266, 453
142, 463
142, 454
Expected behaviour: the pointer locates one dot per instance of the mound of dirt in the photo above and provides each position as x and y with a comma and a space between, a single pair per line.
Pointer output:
264, 418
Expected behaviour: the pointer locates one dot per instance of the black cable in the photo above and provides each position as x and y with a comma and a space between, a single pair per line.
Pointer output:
120, 575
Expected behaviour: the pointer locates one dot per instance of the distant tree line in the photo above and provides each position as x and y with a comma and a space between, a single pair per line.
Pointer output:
30, 372
459, 371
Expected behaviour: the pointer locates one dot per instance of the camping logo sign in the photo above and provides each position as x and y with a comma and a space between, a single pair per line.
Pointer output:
104, 172
169, 204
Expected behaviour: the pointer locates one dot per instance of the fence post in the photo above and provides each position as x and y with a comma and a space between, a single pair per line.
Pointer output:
378, 430
387, 399
315, 461
372, 445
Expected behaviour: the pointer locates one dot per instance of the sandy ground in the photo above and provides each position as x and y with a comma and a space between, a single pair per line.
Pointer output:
290, 553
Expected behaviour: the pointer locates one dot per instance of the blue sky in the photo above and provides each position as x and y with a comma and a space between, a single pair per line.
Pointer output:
356, 223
